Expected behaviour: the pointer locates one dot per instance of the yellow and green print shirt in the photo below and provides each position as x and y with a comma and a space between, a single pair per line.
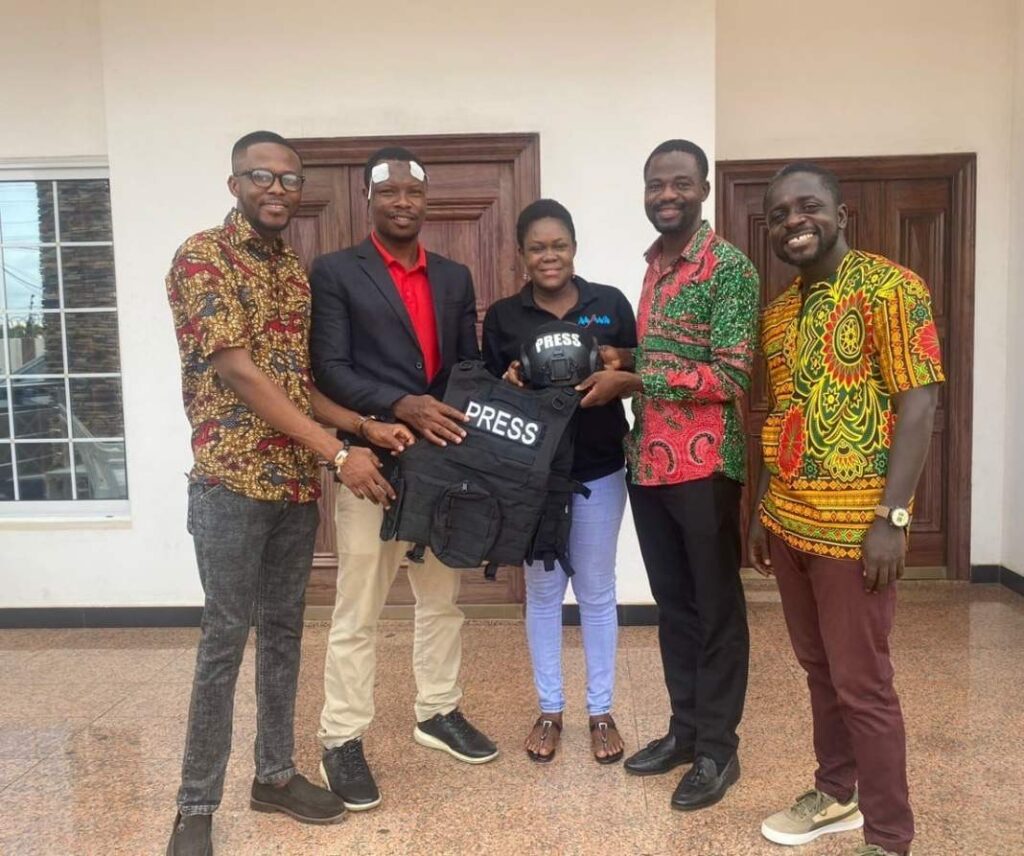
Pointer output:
834, 365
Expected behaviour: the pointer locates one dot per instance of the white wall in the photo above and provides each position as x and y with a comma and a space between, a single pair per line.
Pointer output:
1013, 493
882, 77
51, 100
182, 85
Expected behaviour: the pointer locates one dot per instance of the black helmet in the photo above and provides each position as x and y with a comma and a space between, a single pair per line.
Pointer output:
558, 354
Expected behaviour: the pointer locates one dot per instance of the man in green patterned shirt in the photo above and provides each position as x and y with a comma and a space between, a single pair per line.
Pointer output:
696, 326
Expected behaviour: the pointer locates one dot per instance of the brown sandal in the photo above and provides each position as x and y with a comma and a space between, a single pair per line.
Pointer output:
604, 727
545, 724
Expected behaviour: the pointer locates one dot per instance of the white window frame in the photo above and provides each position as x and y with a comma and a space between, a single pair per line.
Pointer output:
18, 512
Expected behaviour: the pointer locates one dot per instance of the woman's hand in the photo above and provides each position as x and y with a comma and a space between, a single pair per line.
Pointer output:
360, 473
512, 374
387, 435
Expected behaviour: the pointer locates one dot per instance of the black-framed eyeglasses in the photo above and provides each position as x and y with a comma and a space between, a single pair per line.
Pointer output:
290, 181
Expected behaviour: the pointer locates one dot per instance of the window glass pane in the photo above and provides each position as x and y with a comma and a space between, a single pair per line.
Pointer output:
44, 470
84, 208
88, 277
5, 422
34, 343
92, 342
26, 212
6, 473
30, 278
40, 409
96, 407
99, 469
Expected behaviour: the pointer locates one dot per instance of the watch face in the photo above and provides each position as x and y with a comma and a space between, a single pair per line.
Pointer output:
899, 517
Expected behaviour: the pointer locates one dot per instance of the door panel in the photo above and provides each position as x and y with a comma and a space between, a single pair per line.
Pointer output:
478, 185
917, 211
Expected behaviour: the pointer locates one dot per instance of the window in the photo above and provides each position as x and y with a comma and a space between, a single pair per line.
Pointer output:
61, 417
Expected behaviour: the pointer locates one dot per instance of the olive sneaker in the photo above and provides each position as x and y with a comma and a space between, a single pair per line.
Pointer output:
812, 815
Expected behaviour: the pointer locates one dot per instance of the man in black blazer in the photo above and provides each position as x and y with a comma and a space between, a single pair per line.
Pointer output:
389, 322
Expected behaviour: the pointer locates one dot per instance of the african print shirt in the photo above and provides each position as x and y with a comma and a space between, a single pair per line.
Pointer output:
862, 337
228, 288
696, 327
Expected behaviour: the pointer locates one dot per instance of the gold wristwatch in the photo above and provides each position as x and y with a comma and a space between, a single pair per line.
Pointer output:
341, 457
896, 516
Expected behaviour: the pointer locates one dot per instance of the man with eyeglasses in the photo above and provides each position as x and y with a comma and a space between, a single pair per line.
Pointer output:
241, 306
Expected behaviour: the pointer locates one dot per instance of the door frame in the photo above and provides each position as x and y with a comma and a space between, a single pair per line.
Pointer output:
961, 171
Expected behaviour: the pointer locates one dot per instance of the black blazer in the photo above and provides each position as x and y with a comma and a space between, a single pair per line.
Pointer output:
363, 349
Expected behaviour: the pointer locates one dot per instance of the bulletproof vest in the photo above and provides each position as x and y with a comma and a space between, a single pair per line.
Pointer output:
480, 501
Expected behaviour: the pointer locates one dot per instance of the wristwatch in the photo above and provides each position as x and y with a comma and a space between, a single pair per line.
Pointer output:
898, 517
342, 456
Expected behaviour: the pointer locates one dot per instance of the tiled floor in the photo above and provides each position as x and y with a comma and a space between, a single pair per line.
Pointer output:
92, 722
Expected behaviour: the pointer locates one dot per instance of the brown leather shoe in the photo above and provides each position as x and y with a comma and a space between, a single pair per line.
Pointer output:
191, 836
300, 799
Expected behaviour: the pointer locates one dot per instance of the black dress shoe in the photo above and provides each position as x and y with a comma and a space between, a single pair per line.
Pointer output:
300, 799
191, 836
454, 734
658, 756
345, 771
703, 784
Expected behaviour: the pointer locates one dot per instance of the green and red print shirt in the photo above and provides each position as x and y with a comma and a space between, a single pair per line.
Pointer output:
696, 327
228, 288
836, 357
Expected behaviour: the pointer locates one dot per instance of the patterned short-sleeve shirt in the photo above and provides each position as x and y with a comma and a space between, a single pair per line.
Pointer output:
228, 288
833, 368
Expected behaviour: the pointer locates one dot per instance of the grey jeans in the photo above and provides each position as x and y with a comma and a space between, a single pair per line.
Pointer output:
254, 559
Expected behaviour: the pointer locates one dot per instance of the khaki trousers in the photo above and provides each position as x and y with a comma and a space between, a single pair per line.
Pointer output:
366, 570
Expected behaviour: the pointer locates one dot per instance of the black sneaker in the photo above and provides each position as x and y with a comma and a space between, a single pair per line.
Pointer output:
191, 836
345, 771
454, 734
704, 784
300, 799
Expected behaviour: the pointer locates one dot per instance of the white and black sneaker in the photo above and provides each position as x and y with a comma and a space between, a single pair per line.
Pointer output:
346, 773
456, 735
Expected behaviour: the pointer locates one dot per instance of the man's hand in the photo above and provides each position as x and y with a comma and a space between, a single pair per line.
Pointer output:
604, 386
757, 547
513, 375
388, 435
361, 474
616, 359
884, 551
433, 419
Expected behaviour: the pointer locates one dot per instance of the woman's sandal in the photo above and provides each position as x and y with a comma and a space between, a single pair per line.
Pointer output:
604, 727
545, 724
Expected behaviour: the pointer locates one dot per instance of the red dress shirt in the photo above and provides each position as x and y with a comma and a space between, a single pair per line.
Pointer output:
414, 289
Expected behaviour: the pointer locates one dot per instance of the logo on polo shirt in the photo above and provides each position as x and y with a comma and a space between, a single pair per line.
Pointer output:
591, 320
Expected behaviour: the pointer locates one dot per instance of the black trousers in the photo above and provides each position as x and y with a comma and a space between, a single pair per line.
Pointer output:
690, 541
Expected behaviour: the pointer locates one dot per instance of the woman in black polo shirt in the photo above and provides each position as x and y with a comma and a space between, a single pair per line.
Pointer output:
547, 243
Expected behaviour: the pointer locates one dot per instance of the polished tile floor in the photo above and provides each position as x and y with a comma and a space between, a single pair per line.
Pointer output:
92, 723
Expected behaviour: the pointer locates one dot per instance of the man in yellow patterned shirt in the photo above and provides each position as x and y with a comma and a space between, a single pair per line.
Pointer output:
853, 367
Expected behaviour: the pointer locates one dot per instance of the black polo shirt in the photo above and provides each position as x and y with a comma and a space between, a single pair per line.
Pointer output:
605, 313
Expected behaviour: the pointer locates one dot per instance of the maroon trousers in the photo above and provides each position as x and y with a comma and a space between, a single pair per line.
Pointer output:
840, 634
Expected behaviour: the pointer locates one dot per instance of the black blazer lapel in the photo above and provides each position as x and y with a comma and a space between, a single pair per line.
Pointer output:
373, 265
438, 284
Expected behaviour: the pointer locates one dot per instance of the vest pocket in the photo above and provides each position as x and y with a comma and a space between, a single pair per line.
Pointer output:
466, 523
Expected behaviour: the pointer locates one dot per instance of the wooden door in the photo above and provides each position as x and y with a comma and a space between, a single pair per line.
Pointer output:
478, 185
918, 211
